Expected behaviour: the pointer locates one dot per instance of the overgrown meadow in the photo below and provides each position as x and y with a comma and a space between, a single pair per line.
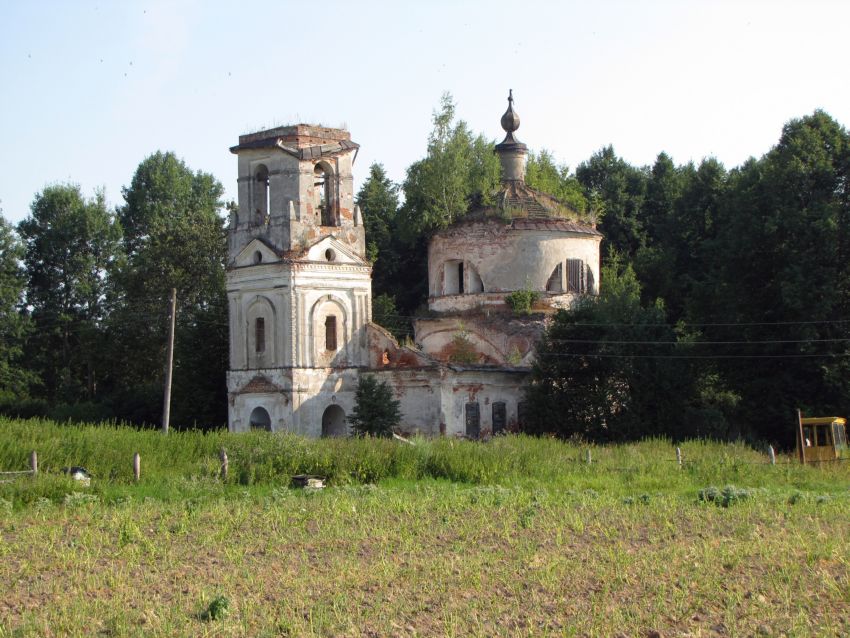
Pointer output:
513, 537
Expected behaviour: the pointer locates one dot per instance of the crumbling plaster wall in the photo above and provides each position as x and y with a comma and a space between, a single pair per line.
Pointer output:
506, 258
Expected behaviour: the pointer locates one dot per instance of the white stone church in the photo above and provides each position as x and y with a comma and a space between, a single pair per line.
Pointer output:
299, 288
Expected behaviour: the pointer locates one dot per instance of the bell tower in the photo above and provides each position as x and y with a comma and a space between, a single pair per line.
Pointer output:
296, 186
298, 282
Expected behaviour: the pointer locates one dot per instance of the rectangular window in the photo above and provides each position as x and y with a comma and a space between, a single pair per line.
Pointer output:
500, 415
260, 334
473, 420
576, 279
330, 333
460, 278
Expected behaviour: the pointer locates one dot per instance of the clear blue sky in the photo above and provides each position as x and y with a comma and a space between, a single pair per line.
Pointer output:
91, 88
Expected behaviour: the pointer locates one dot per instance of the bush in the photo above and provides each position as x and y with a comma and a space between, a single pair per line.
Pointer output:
521, 301
376, 411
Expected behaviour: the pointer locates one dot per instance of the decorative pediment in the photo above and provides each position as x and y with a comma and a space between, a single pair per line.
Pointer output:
260, 385
331, 250
256, 252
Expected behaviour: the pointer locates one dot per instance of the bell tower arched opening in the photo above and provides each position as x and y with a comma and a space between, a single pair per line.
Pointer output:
262, 194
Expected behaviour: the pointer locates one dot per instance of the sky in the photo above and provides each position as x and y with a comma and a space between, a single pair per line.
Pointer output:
89, 89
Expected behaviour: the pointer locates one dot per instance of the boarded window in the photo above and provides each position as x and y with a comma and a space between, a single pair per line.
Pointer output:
260, 335
522, 414
330, 333
473, 420
576, 276
500, 417
554, 284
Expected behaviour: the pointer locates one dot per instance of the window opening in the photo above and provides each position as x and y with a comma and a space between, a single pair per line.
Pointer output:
460, 278
330, 255
522, 414
822, 432
323, 198
499, 417
839, 435
473, 420
260, 334
808, 435
576, 280
554, 284
330, 332
262, 194
258, 257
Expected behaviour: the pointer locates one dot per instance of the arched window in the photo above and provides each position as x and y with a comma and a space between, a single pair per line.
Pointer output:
260, 334
324, 201
262, 194
330, 332
554, 284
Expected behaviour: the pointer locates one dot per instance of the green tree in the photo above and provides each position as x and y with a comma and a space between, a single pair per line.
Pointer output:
174, 238
543, 174
376, 411
378, 201
72, 244
605, 372
459, 171
15, 380
779, 272
618, 189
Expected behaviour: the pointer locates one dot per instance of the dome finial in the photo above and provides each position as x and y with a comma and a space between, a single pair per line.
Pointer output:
511, 151
510, 120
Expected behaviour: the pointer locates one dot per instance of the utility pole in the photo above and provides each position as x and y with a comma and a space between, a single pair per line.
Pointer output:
169, 364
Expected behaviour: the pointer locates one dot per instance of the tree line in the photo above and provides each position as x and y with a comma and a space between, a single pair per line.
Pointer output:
85, 293
722, 306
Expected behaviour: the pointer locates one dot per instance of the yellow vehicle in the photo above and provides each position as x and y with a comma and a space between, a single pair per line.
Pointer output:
824, 439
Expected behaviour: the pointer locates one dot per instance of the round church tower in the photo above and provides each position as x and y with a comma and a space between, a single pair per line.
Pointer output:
527, 240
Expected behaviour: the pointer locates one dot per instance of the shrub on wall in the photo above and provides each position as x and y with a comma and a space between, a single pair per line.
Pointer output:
521, 301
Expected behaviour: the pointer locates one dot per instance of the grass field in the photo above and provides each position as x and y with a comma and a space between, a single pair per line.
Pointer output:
516, 537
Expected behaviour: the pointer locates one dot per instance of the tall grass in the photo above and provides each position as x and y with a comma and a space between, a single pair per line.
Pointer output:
173, 463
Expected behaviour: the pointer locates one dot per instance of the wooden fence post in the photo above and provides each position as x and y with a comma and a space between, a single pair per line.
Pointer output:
34, 462
771, 454
801, 437
137, 467
679, 456
222, 455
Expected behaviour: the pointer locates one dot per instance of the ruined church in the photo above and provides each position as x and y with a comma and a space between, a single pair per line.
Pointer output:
300, 301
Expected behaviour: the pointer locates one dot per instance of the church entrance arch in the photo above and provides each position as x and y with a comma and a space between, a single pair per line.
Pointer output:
333, 422
260, 419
